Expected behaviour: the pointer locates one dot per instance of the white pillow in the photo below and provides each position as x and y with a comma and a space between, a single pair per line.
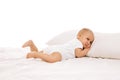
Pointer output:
63, 37
105, 45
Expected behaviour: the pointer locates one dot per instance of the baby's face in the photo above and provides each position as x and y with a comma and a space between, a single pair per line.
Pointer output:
87, 39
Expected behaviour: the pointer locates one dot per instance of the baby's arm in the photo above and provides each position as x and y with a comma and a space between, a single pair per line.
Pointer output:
81, 52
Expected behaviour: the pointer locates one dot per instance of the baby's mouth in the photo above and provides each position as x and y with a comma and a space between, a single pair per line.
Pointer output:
86, 45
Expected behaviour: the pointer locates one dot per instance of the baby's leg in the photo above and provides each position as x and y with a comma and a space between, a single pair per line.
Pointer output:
53, 57
31, 45
30, 55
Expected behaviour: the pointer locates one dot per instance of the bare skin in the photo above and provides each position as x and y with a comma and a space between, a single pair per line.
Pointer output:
53, 57
86, 40
31, 45
86, 37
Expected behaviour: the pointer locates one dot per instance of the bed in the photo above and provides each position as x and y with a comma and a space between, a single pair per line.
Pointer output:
95, 66
17, 67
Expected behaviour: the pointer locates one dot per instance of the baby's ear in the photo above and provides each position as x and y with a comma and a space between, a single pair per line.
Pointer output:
78, 36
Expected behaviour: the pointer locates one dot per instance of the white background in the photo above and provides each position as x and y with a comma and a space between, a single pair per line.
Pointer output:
40, 20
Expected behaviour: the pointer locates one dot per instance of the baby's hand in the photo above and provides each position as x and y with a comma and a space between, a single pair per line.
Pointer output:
86, 50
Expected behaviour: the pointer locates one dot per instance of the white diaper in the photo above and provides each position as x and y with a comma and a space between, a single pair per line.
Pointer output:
66, 50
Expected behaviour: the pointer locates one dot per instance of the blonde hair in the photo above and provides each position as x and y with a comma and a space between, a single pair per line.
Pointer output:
84, 30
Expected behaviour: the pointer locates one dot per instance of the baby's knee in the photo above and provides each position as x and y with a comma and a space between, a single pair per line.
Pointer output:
29, 55
57, 56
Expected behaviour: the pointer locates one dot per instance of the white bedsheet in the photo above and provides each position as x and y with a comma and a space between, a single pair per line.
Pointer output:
14, 66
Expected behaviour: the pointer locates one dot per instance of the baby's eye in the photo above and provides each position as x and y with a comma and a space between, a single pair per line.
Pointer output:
88, 39
91, 42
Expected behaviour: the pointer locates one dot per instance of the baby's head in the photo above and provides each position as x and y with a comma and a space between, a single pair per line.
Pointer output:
86, 36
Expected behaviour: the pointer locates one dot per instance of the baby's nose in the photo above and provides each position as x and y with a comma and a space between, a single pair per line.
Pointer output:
88, 44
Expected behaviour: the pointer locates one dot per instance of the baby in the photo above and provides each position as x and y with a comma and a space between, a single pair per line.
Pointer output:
76, 48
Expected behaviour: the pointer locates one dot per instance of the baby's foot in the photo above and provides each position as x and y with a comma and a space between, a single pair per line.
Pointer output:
28, 43
30, 55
